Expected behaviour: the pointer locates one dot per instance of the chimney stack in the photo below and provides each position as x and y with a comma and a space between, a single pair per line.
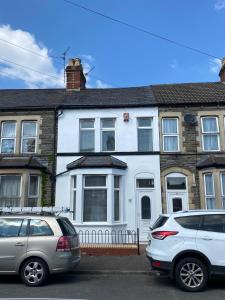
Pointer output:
75, 79
222, 71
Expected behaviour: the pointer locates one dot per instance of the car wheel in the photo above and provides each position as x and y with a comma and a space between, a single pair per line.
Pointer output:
191, 274
34, 272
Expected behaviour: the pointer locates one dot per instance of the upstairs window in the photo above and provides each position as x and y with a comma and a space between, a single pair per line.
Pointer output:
145, 138
29, 137
87, 135
210, 134
8, 137
209, 191
170, 134
108, 134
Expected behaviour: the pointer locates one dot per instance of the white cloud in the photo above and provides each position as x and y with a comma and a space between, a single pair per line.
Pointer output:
174, 64
88, 57
214, 65
42, 62
102, 85
219, 4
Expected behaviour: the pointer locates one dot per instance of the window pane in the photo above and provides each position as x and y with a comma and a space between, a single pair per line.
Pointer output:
210, 203
170, 126
145, 183
95, 206
144, 122
87, 123
108, 140
170, 143
191, 222
176, 183
215, 223
74, 181
116, 205
209, 188
28, 145
33, 188
10, 186
8, 146
39, 227
177, 204
66, 227
10, 227
116, 181
210, 142
209, 124
108, 123
95, 180
145, 208
29, 129
74, 204
223, 183
145, 142
159, 222
8, 129
87, 140
23, 229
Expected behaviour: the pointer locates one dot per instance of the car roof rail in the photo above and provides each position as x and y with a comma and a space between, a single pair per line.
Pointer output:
41, 211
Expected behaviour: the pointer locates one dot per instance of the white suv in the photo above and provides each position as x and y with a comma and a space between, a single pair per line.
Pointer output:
190, 246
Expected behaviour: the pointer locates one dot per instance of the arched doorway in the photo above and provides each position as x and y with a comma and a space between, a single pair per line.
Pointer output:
176, 192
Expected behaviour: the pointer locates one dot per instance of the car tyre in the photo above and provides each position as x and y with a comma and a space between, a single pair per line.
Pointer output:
191, 274
34, 272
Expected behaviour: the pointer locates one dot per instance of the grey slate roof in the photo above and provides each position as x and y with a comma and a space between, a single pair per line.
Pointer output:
189, 93
20, 162
93, 161
212, 160
50, 98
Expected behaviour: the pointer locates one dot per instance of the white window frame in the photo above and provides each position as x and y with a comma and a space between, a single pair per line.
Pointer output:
145, 188
95, 188
17, 175
8, 138
74, 201
222, 191
171, 134
30, 137
38, 189
209, 196
119, 190
86, 129
217, 133
102, 129
145, 127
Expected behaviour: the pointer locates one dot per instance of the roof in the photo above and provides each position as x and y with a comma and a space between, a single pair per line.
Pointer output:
104, 161
88, 98
189, 93
213, 160
20, 162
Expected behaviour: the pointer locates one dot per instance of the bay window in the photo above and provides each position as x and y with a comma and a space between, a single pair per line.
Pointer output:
223, 189
210, 134
74, 195
145, 138
33, 190
8, 137
95, 198
29, 137
170, 134
87, 135
116, 198
10, 190
108, 134
209, 191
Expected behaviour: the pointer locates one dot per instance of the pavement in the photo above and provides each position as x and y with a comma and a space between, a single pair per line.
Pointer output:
132, 264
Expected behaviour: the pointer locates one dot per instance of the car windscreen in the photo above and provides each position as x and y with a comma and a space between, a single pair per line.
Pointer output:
66, 227
159, 222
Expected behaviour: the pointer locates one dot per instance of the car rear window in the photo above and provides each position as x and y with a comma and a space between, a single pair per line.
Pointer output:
159, 222
66, 227
189, 222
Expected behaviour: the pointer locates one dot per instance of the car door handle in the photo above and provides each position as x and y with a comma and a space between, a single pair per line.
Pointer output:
19, 244
207, 238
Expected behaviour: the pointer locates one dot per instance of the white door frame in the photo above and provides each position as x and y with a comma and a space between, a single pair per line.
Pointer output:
144, 225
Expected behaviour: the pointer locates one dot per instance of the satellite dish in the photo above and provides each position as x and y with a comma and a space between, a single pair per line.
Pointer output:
190, 119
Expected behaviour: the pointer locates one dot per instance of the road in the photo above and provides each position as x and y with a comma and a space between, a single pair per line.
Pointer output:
107, 287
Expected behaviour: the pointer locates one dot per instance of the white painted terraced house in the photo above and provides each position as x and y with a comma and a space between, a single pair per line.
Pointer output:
108, 168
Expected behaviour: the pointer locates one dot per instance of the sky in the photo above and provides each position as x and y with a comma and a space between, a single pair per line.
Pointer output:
35, 33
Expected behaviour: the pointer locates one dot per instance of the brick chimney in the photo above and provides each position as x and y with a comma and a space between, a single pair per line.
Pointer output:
222, 71
75, 79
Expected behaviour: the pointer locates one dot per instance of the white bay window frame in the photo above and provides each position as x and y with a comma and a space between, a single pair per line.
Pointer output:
210, 196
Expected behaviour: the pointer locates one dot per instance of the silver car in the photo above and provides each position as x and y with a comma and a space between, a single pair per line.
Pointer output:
35, 246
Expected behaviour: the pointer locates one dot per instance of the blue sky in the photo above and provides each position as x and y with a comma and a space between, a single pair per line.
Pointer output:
121, 56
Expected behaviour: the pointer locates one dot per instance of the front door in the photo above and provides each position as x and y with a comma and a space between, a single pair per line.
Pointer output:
176, 201
144, 214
